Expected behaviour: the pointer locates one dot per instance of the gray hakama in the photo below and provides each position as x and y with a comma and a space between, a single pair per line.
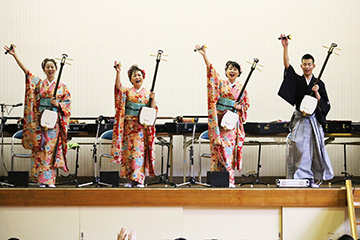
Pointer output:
306, 154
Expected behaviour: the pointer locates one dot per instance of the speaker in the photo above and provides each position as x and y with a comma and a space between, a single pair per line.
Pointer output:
110, 177
218, 179
19, 178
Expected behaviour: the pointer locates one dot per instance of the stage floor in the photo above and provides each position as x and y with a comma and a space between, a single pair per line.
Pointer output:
256, 195
194, 196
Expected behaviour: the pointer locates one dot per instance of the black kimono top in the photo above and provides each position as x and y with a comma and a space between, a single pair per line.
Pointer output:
294, 87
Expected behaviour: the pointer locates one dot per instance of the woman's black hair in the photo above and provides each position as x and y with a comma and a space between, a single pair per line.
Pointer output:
46, 60
133, 69
234, 64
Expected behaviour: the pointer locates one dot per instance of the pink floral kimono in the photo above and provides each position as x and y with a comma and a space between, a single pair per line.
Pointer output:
133, 145
49, 147
226, 145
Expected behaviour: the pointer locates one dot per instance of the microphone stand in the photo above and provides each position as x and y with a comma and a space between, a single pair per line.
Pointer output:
164, 177
192, 180
257, 174
96, 181
3, 121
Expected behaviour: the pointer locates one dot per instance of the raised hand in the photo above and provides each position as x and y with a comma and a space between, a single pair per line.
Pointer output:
200, 49
117, 66
10, 50
132, 235
284, 40
122, 235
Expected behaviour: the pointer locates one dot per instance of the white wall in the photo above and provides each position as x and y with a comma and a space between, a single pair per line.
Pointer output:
95, 33
172, 222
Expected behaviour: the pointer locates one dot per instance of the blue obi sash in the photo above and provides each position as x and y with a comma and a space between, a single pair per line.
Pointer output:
45, 103
132, 109
224, 104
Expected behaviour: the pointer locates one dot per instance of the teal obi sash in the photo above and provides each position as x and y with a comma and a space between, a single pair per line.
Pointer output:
224, 104
132, 109
45, 103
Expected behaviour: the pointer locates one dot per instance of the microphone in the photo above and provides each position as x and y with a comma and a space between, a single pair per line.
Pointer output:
11, 48
17, 105
287, 37
200, 48
100, 119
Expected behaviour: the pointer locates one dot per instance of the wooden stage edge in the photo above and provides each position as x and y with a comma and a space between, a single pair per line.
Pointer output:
173, 197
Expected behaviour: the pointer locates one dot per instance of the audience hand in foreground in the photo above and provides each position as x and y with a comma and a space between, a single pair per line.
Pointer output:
122, 235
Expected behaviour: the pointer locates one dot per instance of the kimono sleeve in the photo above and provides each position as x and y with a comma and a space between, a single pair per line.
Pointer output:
65, 102
118, 130
324, 105
288, 88
213, 84
31, 138
244, 103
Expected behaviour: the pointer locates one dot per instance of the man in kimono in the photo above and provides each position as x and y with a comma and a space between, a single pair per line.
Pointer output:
306, 154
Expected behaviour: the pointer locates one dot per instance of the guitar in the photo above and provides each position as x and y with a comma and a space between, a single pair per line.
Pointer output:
309, 102
147, 115
229, 118
49, 117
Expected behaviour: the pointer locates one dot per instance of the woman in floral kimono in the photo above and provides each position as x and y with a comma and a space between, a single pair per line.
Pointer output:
133, 145
225, 145
48, 145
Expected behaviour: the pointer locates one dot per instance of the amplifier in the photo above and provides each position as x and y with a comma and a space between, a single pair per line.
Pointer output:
19, 178
266, 128
295, 183
110, 177
218, 179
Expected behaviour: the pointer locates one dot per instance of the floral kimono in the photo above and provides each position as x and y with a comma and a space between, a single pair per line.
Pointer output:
133, 145
48, 145
225, 145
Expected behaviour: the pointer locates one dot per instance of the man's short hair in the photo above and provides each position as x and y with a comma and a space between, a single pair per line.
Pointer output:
308, 56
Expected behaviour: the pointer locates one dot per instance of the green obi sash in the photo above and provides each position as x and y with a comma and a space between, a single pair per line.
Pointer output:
132, 109
224, 104
45, 103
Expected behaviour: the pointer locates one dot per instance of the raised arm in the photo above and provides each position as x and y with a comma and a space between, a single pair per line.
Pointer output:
285, 44
13, 53
203, 53
117, 66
